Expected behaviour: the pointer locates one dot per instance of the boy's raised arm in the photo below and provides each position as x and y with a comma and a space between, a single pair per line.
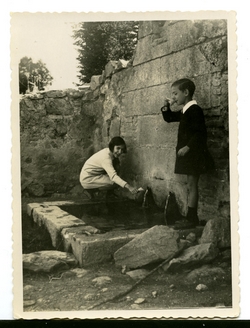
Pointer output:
168, 115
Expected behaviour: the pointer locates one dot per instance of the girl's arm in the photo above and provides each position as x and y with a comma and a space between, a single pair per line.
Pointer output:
109, 168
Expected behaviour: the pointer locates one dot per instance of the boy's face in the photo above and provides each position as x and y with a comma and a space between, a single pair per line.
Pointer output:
178, 96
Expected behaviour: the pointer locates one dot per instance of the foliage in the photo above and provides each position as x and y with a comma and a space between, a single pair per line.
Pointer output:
100, 42
33, 75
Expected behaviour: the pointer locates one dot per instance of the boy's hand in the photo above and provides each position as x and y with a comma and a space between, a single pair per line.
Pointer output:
183, 151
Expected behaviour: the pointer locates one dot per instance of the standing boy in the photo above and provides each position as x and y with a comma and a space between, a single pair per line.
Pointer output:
192, 157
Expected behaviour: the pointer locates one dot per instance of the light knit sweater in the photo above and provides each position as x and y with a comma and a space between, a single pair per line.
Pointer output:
100, 164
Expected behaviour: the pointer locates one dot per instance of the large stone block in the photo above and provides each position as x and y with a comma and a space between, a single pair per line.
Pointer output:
110, 68
154, 131
54, 219
145, 28
155, 244
95, 81
194, 62
146, 75
143, 101
58, 106
99, 248
48, 261
193, 256
217, 231
143, 52
175, 37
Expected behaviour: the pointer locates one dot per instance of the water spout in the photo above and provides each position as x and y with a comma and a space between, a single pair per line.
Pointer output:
145, 200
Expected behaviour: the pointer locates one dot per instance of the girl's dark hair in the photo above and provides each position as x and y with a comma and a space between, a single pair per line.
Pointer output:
185, 84
117, 141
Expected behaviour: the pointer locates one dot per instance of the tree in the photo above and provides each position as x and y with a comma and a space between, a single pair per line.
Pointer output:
99, 42
33, 75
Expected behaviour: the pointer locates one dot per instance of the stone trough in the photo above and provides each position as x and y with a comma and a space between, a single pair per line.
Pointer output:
88, 244
70, 234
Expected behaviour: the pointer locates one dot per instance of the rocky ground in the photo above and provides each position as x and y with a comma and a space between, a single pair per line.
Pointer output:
206, 285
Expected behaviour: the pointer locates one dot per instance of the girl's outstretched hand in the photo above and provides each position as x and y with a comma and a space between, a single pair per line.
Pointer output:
183, 151
132, 189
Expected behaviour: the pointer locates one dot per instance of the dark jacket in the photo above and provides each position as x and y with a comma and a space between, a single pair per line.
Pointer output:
192, 132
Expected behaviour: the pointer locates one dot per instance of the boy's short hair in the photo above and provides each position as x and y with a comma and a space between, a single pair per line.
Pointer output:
117, 141
185, 84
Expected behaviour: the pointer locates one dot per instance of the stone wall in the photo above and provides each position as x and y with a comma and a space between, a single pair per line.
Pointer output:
59, 130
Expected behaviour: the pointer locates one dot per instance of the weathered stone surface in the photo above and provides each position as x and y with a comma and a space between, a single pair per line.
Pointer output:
137, 274
217, 231
201, 287
56, 93
110, 68
95, 82
55, 219
205, 274
69, 234
100, 281
35, 189
155, 244
99, 248
121, 64
48, 261
31, 206
193, 256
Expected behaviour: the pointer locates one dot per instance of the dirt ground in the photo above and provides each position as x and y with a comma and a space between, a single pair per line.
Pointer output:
68, 291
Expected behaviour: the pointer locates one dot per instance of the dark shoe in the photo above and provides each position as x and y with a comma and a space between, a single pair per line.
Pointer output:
191, 220
110, 195
184, 224
202, 222
192, 215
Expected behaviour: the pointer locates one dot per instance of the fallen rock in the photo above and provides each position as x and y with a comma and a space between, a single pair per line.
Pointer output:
100, 281
154, 294
155, 244
27, 288
191, 237
139, 300
48, 261
79, 272
89, 297
193, 256
220, 305
124, 269
226, 255
201, 287
29, 303
217, 231
206, 274
137, 274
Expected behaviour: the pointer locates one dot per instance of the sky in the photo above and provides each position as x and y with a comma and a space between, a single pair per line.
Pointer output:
48, 37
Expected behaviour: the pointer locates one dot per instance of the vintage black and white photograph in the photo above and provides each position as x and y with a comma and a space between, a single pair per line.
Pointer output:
125, 165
